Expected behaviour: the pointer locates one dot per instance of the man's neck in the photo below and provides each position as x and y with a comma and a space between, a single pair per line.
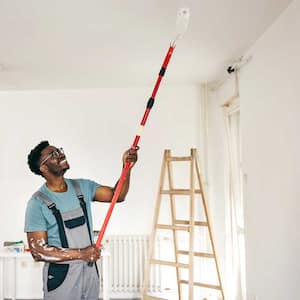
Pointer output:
57, 184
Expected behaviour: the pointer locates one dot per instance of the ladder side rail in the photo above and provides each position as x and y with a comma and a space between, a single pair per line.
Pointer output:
173, 217
204, 201
192, 227
153, 232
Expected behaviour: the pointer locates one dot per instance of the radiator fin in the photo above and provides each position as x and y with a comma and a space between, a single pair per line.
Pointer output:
128, 255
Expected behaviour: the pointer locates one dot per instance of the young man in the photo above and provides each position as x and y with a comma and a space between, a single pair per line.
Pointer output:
58, 224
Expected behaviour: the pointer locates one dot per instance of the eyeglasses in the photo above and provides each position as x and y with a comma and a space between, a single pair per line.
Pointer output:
53, 154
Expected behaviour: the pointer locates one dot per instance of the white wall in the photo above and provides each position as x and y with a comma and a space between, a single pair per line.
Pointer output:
269, 89
94, 127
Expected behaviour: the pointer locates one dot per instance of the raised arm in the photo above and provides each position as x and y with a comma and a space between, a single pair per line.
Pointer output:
42, 251
105, 193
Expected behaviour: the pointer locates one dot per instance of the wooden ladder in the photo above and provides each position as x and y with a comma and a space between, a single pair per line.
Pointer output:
188, 225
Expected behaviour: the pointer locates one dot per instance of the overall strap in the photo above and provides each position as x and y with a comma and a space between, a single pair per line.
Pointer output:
51, 205
80, 197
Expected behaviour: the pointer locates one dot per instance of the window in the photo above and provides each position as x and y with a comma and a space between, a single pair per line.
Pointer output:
235, 239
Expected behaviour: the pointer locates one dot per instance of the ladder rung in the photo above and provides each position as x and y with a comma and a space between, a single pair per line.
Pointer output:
169, 263
201, 254
186, 222
162, 226
147, 297
179, 158
180, 192
205, 285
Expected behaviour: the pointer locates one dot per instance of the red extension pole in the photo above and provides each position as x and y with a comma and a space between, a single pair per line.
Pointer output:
135, 143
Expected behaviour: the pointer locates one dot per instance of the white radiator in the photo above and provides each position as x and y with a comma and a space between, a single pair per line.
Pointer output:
128, 255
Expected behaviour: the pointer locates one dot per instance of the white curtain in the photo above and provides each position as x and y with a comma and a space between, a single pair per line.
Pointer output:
235, 244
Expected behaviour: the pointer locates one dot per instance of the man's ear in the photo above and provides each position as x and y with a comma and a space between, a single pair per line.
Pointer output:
43, 168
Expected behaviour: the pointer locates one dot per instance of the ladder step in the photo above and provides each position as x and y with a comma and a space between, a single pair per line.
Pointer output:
180, 192
147, 297
186, 222
162, 226
179, 158
169, 263
201, 254
205, 285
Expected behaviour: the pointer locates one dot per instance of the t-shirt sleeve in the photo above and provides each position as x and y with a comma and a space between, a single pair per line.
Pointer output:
34, 218
89, 188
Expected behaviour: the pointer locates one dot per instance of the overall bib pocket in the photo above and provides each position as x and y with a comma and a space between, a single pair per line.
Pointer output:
72, 223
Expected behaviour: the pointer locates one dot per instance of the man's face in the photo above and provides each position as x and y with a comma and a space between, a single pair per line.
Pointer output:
55, 160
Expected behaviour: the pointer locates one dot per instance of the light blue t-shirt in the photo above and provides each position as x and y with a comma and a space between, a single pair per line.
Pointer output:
40, 218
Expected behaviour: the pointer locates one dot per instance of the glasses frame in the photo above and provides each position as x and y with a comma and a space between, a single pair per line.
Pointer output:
55, 153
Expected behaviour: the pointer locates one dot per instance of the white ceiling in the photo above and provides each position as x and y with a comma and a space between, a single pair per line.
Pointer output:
120, 43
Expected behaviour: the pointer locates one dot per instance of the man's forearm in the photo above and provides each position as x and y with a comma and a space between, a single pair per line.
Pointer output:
125, 188
41, 251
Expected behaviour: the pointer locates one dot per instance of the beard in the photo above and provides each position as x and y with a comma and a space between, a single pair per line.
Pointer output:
58, 171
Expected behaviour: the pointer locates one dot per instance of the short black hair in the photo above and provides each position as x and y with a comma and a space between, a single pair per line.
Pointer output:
34, 157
